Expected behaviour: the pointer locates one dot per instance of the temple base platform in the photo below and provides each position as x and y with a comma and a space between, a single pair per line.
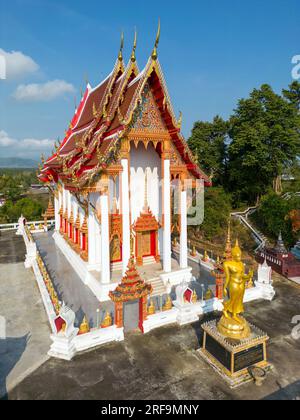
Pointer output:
235, 360
90, 275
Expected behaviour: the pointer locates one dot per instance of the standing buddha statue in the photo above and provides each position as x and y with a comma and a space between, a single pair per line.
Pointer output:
232, 324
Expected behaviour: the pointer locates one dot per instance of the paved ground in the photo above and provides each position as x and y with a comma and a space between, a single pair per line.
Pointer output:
164, 365
27, 332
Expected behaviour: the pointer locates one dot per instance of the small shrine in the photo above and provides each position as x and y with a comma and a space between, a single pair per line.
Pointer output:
132, 288
49, 213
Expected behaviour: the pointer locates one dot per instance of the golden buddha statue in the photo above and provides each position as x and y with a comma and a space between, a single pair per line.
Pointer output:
194, 297
84, 327
194, 251
107, 321
168, 305
205, 256
209, 295
233, 325
151, 308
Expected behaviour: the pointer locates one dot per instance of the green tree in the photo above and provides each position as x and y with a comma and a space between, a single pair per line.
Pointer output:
31, 210
216, 213
272, 217
10, 187
208, 143
292, 94
265, 140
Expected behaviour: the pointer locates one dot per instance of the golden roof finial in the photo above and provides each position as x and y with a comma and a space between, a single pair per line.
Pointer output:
121, 47
154, 52
133, 58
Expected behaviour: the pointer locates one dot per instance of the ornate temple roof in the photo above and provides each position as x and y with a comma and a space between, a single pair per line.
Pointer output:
132, 287
105, 115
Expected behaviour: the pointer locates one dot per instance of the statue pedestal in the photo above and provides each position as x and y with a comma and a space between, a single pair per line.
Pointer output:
233, 358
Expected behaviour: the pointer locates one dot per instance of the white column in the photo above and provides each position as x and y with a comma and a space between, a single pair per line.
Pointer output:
64, 201
75, 209
69, 203
125, 214
56, 209
98, 243
167, 217
183, 231
91, 237
105, 257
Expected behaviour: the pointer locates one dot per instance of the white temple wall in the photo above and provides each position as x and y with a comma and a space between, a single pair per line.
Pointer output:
75, 208
144, 161
94, 230
56, 209
114, 190
64, 199
69, 202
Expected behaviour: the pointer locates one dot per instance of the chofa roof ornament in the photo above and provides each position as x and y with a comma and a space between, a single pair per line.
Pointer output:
154, 52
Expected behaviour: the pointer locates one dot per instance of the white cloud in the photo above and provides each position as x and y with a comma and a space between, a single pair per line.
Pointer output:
5, 140
44, 91
25, 144
18, 64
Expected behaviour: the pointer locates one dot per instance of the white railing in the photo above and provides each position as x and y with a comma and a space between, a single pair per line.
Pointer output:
36, 224
289, 195
243, 218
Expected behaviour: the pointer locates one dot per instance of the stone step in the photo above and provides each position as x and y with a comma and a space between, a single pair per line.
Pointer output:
158, 286
118, 266
148, 260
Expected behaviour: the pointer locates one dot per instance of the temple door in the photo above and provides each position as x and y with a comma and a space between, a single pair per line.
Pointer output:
146, 244
131, 317
115, 249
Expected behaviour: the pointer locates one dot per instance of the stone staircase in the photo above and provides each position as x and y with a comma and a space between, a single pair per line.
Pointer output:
158, 286
258, 236
149, 260
116, 266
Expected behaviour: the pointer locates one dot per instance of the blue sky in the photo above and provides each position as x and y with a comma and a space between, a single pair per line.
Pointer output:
212, 53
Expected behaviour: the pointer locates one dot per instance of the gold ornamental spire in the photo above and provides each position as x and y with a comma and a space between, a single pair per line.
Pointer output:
154, 52
133, 57
120, 57
228, 248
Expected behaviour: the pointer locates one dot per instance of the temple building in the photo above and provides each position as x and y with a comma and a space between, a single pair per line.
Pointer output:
112, 179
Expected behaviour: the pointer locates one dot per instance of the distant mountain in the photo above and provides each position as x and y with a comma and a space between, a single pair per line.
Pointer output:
11, 162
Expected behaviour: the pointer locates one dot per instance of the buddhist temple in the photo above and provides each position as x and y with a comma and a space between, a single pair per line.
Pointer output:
112, 178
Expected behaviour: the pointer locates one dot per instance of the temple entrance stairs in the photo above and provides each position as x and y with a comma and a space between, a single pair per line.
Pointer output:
149, 260
159, 288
